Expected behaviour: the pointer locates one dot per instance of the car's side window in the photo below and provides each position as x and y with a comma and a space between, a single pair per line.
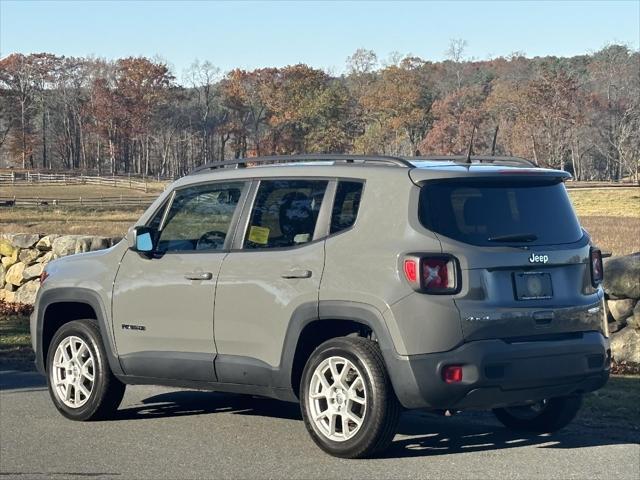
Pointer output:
284, 213
199, 217
345, 205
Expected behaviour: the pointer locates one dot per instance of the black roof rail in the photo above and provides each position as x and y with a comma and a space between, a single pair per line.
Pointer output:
477, 159
309, 157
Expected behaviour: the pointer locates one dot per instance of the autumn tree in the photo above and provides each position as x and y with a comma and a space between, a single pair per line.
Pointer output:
304, 110
109, 112
458, 117
551, 106
142, 85
396, 108
455, 55
579, 113
19, 81
202, 78
615, 74
243, 95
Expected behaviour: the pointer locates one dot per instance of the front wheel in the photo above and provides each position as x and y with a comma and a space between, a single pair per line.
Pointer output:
348, 404
543, 417
81, 383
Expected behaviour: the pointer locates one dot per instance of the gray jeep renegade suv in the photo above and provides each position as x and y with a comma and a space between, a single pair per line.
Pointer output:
354, 285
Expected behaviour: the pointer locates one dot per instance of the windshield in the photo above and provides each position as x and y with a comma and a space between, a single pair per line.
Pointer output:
498, 213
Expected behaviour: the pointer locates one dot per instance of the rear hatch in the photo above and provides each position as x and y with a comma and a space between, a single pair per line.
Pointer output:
525, 260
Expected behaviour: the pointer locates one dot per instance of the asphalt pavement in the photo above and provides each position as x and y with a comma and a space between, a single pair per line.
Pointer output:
168, 433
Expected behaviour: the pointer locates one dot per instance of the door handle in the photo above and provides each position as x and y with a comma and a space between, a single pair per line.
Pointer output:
297, 274
198, 276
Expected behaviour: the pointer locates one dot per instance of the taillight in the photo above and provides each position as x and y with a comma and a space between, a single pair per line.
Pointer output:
597, 270
43, 276
435, 274
452, 373
438, 273
411, 270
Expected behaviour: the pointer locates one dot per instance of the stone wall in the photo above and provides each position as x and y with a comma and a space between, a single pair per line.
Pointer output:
622, 290
23, 256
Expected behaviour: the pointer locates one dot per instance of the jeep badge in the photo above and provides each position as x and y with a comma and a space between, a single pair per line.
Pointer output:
534, 258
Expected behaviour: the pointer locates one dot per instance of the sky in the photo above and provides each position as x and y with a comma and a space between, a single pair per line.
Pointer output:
321, 34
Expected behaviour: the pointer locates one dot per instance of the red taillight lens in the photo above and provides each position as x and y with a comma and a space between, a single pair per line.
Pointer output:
43, 276
435, 274
411, 270
597, 270
452, 373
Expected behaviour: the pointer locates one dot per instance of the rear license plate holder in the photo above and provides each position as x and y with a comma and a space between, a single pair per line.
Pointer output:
533, 286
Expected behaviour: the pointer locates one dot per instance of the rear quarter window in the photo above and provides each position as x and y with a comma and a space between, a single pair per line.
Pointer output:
345, 205
479, 212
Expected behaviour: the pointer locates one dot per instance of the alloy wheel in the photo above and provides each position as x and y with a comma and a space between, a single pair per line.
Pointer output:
337, 398
73, 372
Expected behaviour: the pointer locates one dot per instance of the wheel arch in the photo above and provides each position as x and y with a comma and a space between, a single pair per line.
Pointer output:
331, 319
59, 306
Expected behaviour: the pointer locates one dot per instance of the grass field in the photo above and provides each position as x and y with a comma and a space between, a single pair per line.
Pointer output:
15, 340
106, 221
614, 405
612, 216
603, 202
618, 235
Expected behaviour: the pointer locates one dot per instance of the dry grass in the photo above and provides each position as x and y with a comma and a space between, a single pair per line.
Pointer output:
109, 222
614, 405
15, 341
606, 202
611, 216
617, 235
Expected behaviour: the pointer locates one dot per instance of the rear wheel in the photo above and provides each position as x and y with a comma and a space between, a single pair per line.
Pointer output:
81, 383
542, 417
348, 404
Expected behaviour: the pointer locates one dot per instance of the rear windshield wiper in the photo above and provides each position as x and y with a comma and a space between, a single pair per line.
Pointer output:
514, 237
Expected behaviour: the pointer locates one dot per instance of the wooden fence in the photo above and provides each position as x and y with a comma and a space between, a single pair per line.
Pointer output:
28, 178
97, 201
574, 184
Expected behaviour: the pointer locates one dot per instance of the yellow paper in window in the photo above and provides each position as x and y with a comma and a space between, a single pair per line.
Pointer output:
259, 235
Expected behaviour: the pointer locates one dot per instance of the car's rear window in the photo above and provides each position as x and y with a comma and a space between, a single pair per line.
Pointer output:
484, 213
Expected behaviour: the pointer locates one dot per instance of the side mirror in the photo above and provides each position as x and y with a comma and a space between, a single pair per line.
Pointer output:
144, 239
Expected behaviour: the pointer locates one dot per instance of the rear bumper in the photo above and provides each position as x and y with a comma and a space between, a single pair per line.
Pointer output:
497, 373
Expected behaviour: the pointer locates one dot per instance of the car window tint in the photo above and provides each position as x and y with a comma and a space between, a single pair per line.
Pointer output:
284, 213
345, 205
199, 217
478, 212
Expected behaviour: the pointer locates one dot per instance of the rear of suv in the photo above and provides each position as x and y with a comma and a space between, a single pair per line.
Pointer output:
357, 286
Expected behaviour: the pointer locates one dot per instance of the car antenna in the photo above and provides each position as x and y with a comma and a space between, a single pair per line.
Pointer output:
495, 137
473, 132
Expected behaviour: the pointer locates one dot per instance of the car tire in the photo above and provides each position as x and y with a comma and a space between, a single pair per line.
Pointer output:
545, 417
353, 413
80, 381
